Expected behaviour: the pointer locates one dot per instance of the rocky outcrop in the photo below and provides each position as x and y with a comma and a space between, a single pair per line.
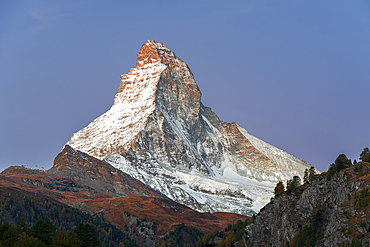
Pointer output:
159, 132
281, 219
98, 174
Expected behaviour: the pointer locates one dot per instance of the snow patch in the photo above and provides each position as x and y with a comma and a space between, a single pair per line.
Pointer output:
118, 127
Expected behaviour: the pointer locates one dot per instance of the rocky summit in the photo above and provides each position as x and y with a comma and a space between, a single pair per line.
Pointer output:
159, 132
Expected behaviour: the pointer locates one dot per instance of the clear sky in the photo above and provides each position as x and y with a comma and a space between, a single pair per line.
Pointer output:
293, 73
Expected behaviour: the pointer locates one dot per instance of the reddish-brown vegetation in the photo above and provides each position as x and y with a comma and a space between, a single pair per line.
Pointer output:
164, 212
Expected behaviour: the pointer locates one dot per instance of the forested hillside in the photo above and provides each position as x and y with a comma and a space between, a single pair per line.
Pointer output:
21, 211
186, 236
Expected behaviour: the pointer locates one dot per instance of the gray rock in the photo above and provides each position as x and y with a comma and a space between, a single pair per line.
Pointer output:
281, 219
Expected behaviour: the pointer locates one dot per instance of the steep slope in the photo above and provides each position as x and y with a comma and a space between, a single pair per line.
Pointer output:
98, 174
339, 207
94, 186
160, 133
76, 178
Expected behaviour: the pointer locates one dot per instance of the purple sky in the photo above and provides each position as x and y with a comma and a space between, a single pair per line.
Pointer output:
295, 74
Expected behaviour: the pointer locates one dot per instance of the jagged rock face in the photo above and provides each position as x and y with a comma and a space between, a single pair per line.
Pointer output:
281, 219
159, 132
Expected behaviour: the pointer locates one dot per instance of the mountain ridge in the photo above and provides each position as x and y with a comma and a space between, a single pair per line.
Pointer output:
159, 132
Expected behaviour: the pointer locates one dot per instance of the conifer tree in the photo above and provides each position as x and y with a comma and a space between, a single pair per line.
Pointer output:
28, 241
365, 155
311, 173
294, 182
73, 240
61, 239
341, 162
43, 230
279, 188
86, 233
22, 226
306, 176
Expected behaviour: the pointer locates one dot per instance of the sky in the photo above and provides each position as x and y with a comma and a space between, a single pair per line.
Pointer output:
293, 73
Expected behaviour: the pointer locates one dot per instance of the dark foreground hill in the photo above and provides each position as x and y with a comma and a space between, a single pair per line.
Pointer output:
330, 210
17, 205
95, 187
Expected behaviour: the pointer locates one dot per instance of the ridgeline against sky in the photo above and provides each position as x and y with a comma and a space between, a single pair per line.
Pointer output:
294, 74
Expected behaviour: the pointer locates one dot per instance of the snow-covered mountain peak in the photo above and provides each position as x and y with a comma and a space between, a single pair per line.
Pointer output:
160, 133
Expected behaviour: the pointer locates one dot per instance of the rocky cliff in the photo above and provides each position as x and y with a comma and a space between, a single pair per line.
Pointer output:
344, 210
159, 132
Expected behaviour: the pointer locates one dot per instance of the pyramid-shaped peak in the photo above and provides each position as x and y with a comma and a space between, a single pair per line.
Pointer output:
153, 51
159, 132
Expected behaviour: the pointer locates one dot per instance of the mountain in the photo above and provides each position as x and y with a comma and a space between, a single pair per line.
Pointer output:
326, 211
159, 132
95, 187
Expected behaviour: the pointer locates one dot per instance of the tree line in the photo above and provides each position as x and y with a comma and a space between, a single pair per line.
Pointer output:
42, 234
341, 162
